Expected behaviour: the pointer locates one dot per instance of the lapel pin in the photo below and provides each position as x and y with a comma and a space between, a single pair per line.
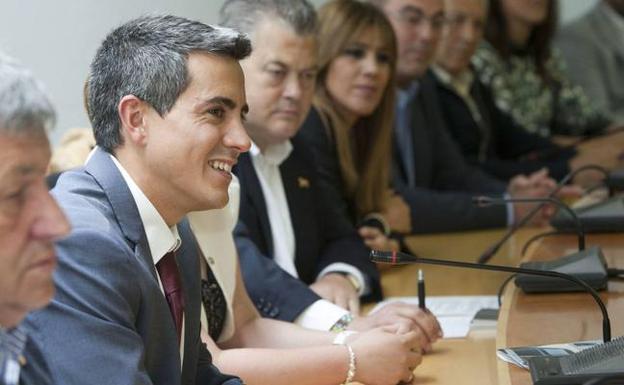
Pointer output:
303, 182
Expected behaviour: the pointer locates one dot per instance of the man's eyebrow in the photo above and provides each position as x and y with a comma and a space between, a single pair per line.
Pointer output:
411, 9
16, 173
24, 170
284, 65
276, 62
229, 103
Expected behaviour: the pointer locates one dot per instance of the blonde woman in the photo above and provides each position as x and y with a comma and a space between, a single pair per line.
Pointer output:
350, 127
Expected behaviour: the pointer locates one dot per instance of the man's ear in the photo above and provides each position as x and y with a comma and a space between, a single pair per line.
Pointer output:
132, 112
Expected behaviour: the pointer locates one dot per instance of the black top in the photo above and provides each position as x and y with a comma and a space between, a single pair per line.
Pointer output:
215, 305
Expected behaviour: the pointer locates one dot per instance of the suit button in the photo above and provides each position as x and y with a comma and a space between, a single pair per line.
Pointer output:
274, 312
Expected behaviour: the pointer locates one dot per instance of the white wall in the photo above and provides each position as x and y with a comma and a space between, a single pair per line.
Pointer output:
571, 9
58, 38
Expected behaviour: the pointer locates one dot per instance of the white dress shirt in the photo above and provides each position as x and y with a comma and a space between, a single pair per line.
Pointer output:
322, 314
161, 238
267, 165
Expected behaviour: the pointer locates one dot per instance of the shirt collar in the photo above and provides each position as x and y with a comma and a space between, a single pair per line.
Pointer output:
160, 237
460, 83
404, 95
614, 18
273, 155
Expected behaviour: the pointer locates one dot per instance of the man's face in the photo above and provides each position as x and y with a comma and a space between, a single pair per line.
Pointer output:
418, 25
190, 152
279, 75
30, 222
462, 34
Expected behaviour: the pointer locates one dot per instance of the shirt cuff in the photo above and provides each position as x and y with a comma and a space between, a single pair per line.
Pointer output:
345, 268
321, 315
510, 210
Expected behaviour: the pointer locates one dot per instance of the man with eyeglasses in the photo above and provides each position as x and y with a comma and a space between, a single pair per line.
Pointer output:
429, 171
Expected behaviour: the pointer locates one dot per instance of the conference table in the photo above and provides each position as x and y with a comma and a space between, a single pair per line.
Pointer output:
524, 319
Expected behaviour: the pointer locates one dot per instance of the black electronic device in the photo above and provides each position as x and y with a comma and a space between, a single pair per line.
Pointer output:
601, 361
606, 216
588, 265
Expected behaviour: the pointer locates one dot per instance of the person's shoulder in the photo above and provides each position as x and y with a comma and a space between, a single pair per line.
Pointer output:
487, 62
94, 226
313, 124
83, 200
314, 135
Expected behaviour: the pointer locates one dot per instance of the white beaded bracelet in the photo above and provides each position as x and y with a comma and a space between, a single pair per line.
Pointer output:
351, 371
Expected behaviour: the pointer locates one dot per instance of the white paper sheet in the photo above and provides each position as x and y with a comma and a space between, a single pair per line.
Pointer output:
453, 312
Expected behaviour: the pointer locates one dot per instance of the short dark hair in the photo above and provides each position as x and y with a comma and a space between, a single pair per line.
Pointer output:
147, 57
242, 15
24, 105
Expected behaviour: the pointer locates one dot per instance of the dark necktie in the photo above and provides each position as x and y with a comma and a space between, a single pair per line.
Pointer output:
11, 359
172, 284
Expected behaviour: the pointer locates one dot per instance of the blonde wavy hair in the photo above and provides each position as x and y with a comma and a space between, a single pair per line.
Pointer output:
369, 142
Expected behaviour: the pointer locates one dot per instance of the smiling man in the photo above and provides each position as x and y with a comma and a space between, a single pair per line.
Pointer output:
166, 100
30, 220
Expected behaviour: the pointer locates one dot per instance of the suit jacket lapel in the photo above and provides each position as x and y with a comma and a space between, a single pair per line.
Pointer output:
299, 203
102, 168
251, 184
188, 263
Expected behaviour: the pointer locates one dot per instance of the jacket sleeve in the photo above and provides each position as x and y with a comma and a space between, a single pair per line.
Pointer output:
275, 293
97, 295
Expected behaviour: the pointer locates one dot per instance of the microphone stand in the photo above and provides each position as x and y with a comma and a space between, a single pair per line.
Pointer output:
487, 201
493, 249
399, 258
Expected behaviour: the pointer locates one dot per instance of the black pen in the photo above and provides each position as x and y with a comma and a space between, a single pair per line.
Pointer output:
421, 290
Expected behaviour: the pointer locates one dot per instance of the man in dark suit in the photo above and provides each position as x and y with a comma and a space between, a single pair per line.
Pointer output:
430, 171
30, 222
166, 100
488, 137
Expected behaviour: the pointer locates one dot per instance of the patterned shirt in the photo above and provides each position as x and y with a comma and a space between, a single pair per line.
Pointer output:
519, 90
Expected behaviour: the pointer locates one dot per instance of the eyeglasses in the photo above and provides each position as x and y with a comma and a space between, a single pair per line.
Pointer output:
460, 20
417, 20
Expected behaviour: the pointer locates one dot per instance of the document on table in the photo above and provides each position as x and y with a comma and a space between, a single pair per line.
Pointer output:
454, 313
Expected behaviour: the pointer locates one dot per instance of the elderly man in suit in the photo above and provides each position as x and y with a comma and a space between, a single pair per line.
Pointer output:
594, 53
286, 219
430, 171
30, 221
166, 101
